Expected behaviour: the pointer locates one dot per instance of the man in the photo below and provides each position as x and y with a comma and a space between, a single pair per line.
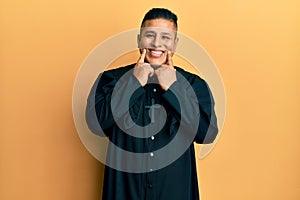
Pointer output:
154, 109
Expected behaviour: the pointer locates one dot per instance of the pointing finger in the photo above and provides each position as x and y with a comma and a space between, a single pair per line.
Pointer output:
169, 59
142, 58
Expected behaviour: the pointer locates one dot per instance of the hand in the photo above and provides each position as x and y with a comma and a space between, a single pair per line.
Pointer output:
142, 71
166, 73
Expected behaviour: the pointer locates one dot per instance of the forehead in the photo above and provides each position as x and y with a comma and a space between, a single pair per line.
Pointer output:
159, 25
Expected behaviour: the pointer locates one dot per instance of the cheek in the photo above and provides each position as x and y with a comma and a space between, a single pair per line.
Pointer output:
169, 46
143, 43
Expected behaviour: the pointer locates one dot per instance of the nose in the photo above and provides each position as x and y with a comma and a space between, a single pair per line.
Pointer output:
157, 42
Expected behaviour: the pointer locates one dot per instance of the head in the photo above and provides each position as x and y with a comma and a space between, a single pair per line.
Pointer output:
158, 35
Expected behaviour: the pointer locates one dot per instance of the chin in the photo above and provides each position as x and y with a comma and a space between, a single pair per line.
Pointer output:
156, 63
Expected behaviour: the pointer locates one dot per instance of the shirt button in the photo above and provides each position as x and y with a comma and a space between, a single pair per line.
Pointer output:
151, 170
154, 90
152, 137
151, 154
150, 186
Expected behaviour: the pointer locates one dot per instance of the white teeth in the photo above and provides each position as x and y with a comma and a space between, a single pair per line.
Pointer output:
157, 52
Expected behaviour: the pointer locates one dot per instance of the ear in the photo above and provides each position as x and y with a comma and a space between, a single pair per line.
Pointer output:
138, 39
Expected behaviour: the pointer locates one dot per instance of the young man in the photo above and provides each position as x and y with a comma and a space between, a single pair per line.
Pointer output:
155, 111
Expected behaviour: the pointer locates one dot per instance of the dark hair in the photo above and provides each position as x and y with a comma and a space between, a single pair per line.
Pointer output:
163, 13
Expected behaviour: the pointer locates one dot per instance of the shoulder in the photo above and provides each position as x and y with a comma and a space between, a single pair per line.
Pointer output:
111, 76
114, 74
190, 77
118, 72
198, 84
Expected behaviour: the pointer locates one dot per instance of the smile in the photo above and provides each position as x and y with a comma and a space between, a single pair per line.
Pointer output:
156, 53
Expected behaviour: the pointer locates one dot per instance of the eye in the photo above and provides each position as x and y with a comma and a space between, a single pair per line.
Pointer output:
165, 37
150, 35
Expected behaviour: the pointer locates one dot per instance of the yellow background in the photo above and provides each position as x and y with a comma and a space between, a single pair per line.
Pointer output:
255, 44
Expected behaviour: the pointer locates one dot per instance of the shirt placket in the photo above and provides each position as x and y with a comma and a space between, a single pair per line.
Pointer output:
152, 98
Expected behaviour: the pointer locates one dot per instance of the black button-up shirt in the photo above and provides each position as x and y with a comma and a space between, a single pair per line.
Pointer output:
150, 104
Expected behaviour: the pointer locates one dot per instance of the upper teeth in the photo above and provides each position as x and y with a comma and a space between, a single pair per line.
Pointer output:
157, 52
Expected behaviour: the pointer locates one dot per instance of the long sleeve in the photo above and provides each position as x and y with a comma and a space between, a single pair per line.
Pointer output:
117, 101
194, 106
104, 93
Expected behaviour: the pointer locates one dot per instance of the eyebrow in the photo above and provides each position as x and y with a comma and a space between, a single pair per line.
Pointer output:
149, 31
163, 33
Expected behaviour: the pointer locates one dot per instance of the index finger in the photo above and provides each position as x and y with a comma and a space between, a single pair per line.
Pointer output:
142, 58
169, 59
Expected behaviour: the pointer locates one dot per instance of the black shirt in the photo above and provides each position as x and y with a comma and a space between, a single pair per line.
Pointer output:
125, 112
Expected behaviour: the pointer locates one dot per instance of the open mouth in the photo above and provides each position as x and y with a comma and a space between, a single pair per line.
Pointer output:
156, 53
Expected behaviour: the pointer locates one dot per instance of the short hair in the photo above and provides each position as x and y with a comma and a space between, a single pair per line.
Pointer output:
160, 13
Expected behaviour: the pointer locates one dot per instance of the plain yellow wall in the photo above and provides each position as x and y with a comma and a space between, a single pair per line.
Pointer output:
255, 44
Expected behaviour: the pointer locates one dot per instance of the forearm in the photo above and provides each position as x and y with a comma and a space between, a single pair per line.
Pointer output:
194, 108
109, 102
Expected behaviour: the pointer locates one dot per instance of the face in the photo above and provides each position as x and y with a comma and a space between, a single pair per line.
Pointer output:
158, 36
